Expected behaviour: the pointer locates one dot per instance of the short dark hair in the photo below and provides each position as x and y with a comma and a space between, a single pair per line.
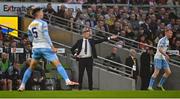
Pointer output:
35, 11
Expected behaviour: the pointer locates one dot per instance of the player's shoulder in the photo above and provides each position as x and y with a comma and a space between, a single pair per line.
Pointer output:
162, 39
43, 22
34, 23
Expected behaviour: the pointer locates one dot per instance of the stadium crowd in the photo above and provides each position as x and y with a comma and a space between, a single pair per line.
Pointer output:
145, 25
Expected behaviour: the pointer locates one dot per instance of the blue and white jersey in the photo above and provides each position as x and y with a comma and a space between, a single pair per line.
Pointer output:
38, 34
164, 44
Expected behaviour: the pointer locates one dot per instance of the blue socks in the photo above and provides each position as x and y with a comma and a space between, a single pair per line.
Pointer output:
62, 72
26, 76
151, 83
152, 80
163, 79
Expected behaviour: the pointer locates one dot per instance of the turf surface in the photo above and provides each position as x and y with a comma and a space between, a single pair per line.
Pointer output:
90, 94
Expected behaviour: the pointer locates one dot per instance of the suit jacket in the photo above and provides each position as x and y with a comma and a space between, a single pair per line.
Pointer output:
145, 65
93, 42
129, 62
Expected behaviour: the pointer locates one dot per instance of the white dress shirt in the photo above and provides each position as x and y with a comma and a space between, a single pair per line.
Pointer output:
82, 53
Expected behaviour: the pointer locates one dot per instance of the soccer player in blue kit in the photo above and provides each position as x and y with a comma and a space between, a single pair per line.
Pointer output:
161, 60
42, 47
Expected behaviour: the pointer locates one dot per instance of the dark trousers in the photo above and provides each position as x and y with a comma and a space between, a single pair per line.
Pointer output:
86, 63
145, 82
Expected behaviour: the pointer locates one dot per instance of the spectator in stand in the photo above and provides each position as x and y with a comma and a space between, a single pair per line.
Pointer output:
153, 27
129, 32
68, 13
142, 42
117, 27
94, 8
100, 27
131, 61
80, 21
61, 11
147, 30
12, 55
38, 77
69, 16
6, 47
177, 24
14, 75
134, 22
177, 45
22, 56
29, 10
114, 56
2, 82
110, 18
4, 65
49, 9
92, 19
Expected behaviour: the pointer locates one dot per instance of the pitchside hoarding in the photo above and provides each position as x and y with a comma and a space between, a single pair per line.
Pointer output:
10, 21
22, 6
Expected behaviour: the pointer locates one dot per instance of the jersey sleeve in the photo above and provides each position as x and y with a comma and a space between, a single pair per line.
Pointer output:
161, 43
45, 32
30, 36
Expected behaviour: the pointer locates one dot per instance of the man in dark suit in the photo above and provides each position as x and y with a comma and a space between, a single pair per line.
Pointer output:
131, 61
145, 71
85, 53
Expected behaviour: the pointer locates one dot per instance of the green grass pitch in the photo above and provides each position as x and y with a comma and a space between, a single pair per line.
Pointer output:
90, 94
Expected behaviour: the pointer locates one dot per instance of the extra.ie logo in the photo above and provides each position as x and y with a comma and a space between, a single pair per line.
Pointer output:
13, 8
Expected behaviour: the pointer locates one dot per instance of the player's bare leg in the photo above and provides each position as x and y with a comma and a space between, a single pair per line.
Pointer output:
27, 74
153, 77
166, 74
63, 73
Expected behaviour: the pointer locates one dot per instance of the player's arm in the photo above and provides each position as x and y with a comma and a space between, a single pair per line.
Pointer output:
166, 55
105, 39
30, 36
74, 47
47, 37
